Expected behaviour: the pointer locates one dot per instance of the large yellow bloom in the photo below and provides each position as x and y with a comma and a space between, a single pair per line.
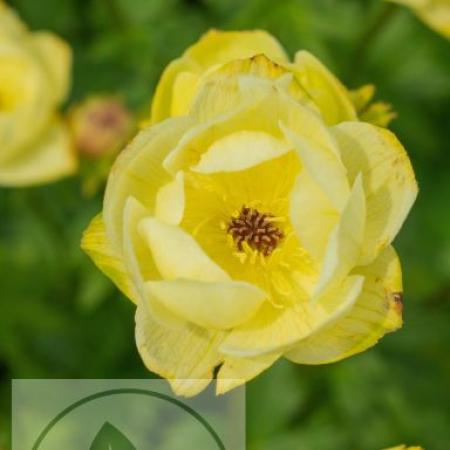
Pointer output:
34, 78
257, 225
435, 13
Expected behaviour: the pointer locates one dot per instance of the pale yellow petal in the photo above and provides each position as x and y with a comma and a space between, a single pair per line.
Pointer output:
324, 88
47, 159
139, 263
186, 357
57, 58
96, 245
377, 311
236, 371
240, 151
219, 47
309, 206
344, 246
220, 306
388, 179
177, 254
324, 166
170, 201
276, 329
138, 172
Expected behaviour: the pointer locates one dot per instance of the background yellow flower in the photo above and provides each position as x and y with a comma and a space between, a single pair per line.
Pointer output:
35, 145
435, 13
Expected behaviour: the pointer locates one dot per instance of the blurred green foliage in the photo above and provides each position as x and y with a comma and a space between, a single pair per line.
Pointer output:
59, 317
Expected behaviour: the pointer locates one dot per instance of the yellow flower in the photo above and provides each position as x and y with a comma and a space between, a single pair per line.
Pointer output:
34, 78
435, 13
250, 229
181, 79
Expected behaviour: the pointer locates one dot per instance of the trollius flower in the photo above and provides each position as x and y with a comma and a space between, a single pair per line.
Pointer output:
252, 228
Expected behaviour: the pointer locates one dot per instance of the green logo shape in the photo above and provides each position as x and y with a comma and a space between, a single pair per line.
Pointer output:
110, 438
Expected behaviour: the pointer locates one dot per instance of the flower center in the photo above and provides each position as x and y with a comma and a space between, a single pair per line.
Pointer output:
256, 229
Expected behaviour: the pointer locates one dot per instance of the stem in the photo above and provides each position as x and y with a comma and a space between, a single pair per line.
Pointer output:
367, 39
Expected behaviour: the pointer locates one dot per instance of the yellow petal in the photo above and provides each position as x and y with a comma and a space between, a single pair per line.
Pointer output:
138, 173
237, 371
388, 179
404, 447
140, 265
210, 305
170, 201
324, 166
163, 99
344, 246
177, 254
219, 47
239, 151
186, 357
57, 58
377, 311
47, 159
310, 206
274, 330
324, 88
178, 84
95, 244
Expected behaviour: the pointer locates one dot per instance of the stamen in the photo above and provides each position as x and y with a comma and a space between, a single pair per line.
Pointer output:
256, 229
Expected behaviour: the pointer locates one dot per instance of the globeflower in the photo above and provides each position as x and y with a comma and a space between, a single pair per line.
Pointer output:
255, 226
35, 146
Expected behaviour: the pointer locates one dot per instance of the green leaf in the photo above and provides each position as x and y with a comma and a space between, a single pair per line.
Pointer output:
110, 438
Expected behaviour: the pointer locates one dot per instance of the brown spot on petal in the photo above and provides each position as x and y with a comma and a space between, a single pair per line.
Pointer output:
398, 300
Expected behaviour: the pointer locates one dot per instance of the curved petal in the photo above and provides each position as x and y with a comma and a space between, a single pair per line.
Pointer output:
140, 265
309, 206
163, 99
240, 151
274, 329
324, 166
344, 246
388, 179
57, 58
186, 356
218, 306
170, 201
47, 159
324, 88
237, 371
177, 254
138, 172
178, 84
377, 311
95, 244
219, 47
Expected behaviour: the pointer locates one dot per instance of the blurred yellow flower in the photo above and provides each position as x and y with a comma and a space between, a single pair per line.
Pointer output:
435, 13
404, 447
257, 225
181, 79
35, 146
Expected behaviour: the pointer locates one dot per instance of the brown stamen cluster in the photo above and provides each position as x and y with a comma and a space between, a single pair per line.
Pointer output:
255, 228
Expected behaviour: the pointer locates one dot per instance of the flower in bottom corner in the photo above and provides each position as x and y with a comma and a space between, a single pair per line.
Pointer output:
404, 447
35, 146
250, 229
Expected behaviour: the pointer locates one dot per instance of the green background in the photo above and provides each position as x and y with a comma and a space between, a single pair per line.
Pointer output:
59, 317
